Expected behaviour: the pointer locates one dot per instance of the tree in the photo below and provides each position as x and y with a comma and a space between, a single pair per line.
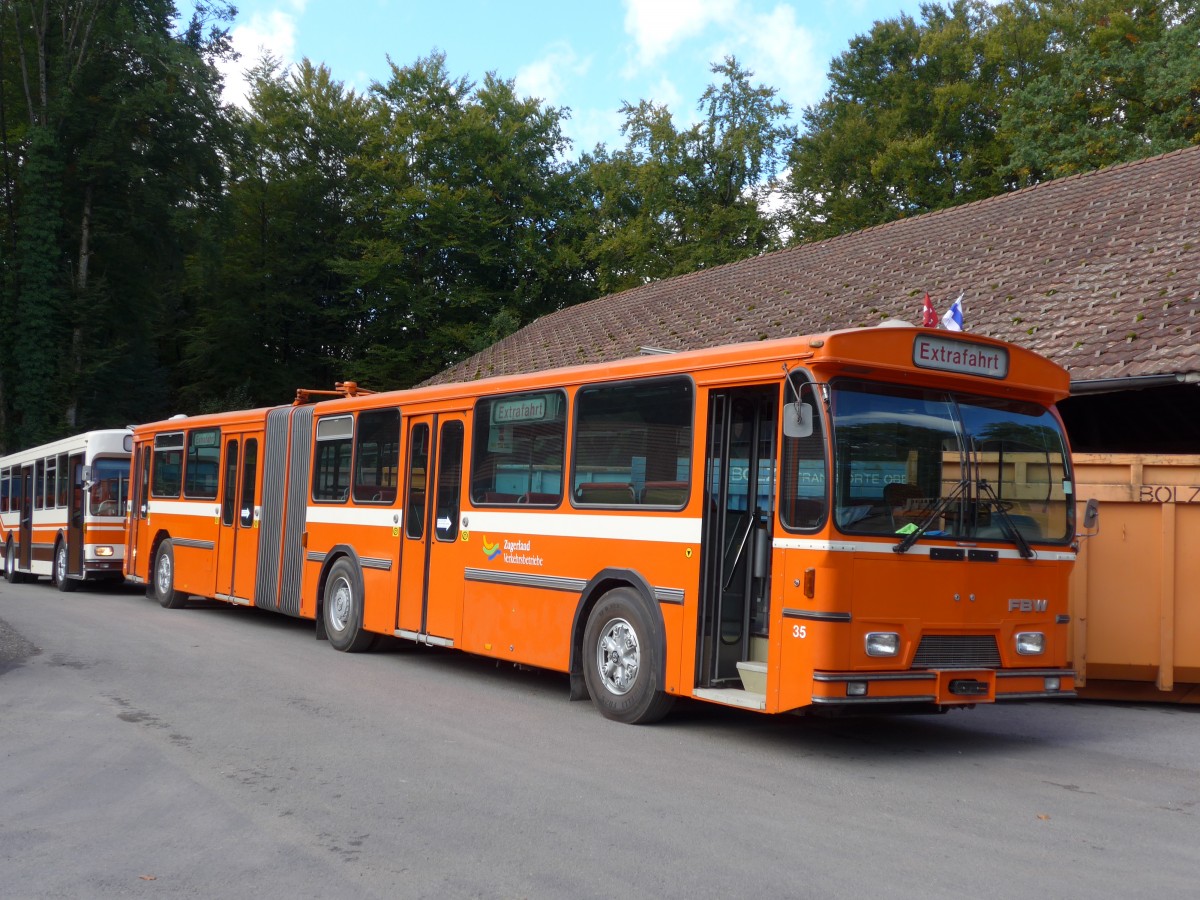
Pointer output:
907, 125
119, 148
272, 313
1123, 83
675, 201
460, 219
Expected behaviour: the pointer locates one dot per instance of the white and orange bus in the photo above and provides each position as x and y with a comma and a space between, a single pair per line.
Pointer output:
878, 519
62, 509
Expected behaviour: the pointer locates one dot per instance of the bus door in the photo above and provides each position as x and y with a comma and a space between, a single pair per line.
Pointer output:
25, 528
737, 532
431, 577
139, 509
75, 517
237, 538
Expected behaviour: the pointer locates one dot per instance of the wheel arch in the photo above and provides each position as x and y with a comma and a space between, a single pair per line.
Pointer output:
601, 583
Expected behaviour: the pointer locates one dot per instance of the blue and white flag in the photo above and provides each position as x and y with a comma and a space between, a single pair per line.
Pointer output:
953, 319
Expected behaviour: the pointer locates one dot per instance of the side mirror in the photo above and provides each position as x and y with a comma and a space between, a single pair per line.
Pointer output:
797, 420
1091, 517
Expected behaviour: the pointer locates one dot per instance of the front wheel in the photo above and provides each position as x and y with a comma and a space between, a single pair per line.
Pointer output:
164, 578
62, 580
342, 609
620, 661
11, 575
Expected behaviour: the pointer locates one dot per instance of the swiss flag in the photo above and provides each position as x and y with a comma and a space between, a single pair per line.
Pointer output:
929, 316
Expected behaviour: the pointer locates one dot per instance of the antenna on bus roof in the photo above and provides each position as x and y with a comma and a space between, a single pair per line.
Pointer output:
340, 389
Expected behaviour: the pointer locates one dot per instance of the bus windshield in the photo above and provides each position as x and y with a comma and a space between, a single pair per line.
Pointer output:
948, 465
106, 493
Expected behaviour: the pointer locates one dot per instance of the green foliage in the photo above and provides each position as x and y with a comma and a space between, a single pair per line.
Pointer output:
1125, 85
163, 252
977, 99
675, 201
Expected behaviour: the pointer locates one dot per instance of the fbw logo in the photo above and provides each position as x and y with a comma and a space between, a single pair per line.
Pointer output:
1027, 605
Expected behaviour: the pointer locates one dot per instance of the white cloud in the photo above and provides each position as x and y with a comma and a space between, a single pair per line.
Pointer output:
270, 31
779, 50
659, 26
548, 78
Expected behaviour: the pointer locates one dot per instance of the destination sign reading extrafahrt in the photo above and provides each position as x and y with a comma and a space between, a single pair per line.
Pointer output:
950, 355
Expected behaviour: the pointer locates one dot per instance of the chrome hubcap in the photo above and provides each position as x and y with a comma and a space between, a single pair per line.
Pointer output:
164, 573
618, 656
339, 606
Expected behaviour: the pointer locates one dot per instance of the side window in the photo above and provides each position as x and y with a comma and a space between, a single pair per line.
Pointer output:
518, 446
5, 490
144, 483
331, 470
449, 481
377, 456
202, 469
39, 484
418, 469
633, 444
249, 481
167, 478
230, 492
802, 480
62, 482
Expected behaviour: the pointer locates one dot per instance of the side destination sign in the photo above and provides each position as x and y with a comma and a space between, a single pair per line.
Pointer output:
950, 355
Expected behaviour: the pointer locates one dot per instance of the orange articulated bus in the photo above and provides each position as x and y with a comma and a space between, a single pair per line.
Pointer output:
875, 519
62, 509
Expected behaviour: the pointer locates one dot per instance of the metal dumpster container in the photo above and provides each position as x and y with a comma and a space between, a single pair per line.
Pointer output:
1135, 592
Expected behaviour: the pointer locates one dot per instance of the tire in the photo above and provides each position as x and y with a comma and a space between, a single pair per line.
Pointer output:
342, 609
164, 578
11, 575
620, 660
59, 576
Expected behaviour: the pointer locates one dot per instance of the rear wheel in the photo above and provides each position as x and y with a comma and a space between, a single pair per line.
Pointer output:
620, 660
164, 578
342, 609
62, 580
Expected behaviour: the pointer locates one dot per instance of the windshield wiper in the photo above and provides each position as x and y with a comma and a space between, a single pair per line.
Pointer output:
913, 536
986, 491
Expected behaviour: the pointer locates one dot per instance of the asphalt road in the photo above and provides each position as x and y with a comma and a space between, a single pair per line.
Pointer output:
223, 752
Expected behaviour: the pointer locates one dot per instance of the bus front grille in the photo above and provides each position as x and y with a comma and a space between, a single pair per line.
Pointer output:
957, 651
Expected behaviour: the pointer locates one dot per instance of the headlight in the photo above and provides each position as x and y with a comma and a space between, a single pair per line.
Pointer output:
883, 643
1030, 643
856, 689
104, 551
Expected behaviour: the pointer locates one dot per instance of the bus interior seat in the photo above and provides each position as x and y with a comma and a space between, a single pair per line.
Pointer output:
664, 493
538, 498
604, 492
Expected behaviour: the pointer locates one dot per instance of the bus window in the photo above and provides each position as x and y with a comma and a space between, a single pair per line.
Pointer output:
107, 487
633, 443
5, 489
517, 455
203, 464
449, 481
331, 473
802, 494
62, 482
418, 465
167, 478
39, 486
230, 493
377, 456
249, 481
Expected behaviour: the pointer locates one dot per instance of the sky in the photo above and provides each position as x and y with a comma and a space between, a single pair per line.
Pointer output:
588, 55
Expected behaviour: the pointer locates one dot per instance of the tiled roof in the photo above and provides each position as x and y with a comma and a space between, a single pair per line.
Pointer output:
1100, 272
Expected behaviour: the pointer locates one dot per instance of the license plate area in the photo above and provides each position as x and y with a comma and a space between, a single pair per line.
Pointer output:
969, 686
